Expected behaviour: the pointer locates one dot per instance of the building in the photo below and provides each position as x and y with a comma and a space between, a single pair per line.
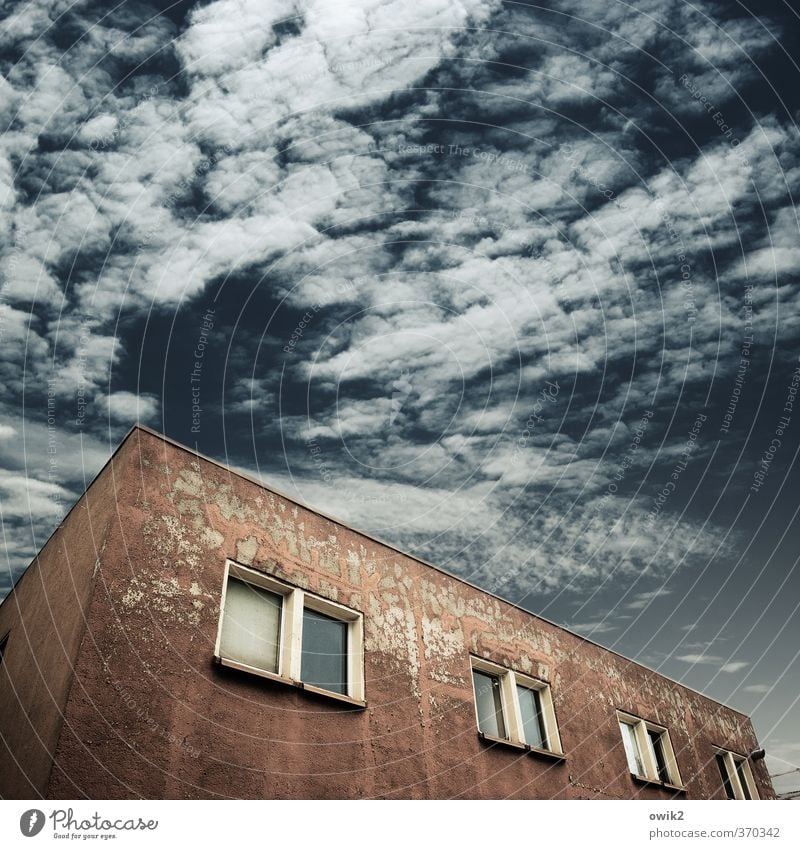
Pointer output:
339, 667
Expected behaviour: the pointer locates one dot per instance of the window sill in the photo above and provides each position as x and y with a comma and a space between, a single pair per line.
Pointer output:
654, 782
290, 682
502, 741
329, 694
253, 670
560, 757
523, 747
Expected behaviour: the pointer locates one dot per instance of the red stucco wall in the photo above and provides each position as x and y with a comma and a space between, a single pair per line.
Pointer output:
44, 617
153, 716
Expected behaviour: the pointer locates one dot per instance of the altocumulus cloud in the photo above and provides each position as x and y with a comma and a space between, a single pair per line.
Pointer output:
529, 258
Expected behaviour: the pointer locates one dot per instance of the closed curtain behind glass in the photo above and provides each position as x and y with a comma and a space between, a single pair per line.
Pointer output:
251, 625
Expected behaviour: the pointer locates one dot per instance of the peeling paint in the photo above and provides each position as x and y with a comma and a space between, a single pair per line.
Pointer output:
152, 593
354, 568
212, 538
418, 734
246, 550
328, 590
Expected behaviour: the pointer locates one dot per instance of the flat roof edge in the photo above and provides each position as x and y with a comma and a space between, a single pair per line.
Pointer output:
77, 501
252, 479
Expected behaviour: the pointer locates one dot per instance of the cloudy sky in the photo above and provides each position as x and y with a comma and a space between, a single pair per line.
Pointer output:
512, 286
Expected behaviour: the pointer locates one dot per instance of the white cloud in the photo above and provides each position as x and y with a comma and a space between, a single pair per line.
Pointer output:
231, 34
643, 600
262, 135
24, 497
352, 52
736, 666
699, 658
128, 407
593, 629
714, 660
43, 470
760, 689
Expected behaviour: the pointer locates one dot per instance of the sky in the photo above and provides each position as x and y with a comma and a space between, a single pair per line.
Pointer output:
512, 286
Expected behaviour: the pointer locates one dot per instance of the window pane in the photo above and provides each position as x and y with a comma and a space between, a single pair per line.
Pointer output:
530, 705
251, 625
324, 662
656, 743
743, 779
726, 780
631, 748
489, 704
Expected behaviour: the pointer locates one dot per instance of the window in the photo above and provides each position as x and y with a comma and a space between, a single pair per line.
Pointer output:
251, 626
530, 708
632, 752
655, 742
648, 751
324, 662
737, 779
489, 703
278, 631
3, 644
514, 708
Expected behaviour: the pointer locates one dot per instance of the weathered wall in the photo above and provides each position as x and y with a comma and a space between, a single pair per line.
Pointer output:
153, 716
45, 619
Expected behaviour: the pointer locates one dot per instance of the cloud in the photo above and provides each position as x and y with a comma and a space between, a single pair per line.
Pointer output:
643, 600
699, 658
353, 53
736, 666
591, 629
714, 660
129, 407
23, 497
43, 470
472, 199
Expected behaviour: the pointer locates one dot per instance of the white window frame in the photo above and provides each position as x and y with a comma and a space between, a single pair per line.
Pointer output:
640, 728
290, 647
509, 701
256, 579
731, 759
355, 640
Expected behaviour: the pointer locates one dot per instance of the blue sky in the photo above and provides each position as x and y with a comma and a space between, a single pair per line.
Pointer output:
512, 286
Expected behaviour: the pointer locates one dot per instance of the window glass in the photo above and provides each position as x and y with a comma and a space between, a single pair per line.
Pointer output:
251, 625
489, 703
635, 764
726, 779
324, 660
530, 705
740, 771
655, 741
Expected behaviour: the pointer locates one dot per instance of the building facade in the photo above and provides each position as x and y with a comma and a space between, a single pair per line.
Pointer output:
189, 633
